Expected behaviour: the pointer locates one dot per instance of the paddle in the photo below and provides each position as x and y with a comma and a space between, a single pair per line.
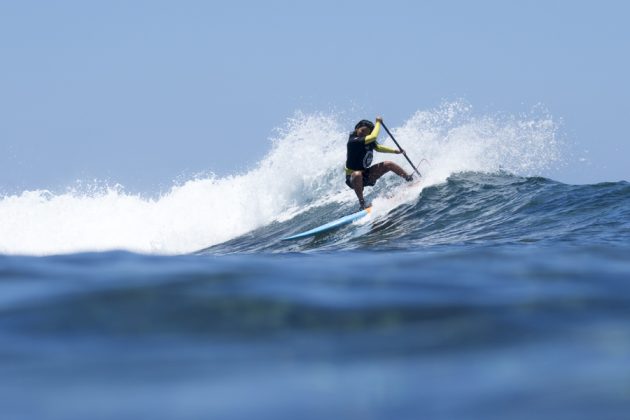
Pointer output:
404, 153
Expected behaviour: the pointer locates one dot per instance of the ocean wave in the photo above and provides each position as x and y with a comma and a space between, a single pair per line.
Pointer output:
302, 171
469, 208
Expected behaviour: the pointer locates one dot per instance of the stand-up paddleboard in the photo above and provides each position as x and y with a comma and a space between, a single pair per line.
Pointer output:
331, 225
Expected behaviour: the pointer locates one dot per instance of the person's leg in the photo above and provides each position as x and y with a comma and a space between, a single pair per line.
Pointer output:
382, 168
356, 179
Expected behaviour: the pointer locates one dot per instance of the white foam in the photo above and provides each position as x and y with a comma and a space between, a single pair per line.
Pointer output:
303, 169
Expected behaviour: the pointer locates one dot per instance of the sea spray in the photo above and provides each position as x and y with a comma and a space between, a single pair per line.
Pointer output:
303, 169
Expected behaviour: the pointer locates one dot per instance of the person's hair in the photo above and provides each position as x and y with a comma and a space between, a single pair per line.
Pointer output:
364, 123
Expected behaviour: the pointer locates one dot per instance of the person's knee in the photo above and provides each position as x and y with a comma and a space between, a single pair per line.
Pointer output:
356, 178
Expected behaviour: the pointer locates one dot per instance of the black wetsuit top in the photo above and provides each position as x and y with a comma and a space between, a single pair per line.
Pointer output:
360, 153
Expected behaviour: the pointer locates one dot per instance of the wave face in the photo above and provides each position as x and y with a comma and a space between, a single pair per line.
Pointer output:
300, 180
468, 209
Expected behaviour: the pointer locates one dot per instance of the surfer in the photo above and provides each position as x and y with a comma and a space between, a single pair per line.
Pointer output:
361, 144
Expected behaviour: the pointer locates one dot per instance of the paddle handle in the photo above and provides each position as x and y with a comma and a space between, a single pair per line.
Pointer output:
400, 148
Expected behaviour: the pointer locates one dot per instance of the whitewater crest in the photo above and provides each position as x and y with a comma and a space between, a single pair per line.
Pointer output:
206, 211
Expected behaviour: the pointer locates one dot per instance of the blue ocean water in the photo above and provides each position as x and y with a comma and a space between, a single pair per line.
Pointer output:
486, 296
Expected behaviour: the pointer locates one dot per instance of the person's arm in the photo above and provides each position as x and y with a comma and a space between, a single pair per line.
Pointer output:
385, 149
380, 147
374, 134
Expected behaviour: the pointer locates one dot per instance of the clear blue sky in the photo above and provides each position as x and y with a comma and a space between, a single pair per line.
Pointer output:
144, 92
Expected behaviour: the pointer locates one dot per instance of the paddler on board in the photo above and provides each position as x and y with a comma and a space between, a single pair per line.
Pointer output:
361, 144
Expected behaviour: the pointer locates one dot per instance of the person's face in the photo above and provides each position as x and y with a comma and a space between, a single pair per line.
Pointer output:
364, 131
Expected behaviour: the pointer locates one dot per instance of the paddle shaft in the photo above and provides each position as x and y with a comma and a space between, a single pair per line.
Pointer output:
404, 153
